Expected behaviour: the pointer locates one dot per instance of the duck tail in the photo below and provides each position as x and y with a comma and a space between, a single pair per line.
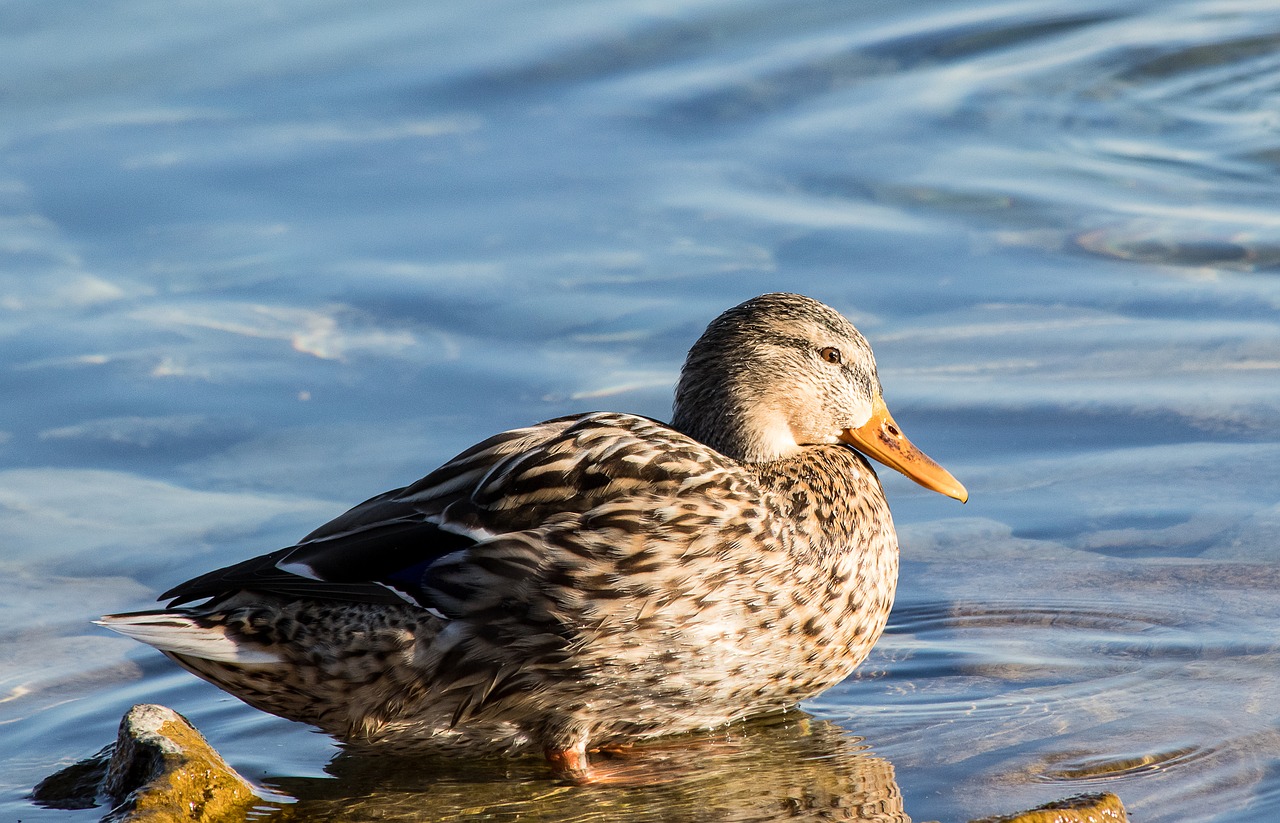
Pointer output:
187, 635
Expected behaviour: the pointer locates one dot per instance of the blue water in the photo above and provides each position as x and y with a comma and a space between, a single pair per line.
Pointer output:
261, 261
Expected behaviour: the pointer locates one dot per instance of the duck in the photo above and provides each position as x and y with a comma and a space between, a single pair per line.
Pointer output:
589, 582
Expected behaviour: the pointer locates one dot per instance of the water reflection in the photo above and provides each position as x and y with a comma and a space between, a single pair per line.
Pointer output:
792, 767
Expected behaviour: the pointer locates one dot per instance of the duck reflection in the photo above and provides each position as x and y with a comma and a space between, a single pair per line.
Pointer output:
792, 767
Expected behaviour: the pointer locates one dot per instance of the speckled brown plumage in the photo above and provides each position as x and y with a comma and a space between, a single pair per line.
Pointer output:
592, 579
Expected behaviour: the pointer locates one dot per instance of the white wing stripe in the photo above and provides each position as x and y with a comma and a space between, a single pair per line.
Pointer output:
182, 635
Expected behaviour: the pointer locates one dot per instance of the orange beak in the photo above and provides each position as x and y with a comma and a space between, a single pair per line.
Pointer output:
880, 438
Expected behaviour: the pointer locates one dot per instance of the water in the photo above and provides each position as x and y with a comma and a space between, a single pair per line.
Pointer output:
261, 261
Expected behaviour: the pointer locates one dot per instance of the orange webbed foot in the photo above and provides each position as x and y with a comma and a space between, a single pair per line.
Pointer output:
570, 764
623, 765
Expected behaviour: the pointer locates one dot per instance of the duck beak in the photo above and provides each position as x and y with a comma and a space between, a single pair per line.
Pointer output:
880, 438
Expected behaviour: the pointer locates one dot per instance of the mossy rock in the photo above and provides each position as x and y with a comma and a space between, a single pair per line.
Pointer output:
163, 770
1084, 808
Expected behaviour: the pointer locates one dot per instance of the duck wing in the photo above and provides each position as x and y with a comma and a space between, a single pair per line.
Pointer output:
484, 506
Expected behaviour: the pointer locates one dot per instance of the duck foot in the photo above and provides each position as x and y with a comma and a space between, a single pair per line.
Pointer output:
575, 766
636, 765
570, 764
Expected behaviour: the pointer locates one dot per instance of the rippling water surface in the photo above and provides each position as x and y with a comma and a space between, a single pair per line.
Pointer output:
261, 261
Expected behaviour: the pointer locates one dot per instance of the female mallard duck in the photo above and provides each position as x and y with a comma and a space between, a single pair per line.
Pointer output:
590, 580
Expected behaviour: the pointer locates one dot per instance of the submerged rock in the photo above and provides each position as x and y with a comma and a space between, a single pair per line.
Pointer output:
161, 770
75, 787
1083, 808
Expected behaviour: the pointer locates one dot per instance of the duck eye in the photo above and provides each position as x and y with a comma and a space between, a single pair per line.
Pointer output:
830, 355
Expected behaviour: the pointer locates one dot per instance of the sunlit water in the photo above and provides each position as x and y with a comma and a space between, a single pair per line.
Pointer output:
261, 261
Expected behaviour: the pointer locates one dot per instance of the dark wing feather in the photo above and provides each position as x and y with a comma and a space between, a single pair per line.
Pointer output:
360, 567
378, 551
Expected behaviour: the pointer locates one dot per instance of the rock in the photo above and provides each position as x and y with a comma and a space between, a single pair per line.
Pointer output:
162, 770
1083, 808
76, 786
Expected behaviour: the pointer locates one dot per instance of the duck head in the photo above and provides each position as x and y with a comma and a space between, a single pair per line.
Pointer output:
781, 372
